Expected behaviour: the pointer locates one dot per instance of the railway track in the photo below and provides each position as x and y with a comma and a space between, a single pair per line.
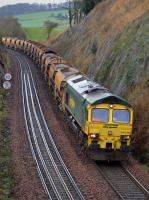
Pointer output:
55, 177
123, 182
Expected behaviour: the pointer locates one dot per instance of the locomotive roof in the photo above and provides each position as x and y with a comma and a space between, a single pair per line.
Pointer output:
93, 93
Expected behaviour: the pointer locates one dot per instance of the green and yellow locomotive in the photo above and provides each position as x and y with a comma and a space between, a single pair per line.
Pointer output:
103, 120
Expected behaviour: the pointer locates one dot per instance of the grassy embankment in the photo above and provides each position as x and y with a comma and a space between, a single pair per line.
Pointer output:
7, 181
33, 23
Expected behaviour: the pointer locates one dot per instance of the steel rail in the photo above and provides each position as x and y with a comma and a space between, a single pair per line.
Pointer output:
53, 143
126, 186
38, 148
111, 184
29, 138
136, 181
46, 146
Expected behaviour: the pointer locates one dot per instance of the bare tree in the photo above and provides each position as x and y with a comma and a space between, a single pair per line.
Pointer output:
49, 25
77, 10
74, 11
70, 10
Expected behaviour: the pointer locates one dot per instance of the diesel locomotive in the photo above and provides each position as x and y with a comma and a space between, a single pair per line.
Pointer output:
101, 120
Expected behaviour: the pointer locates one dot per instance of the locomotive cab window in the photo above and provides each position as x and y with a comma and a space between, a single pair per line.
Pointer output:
100, 115
121, 116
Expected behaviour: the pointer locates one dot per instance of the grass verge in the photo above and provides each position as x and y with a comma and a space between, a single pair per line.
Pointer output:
7, 181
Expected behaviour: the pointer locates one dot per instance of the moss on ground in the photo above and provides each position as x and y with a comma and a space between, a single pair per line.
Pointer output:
102, 73
7, 181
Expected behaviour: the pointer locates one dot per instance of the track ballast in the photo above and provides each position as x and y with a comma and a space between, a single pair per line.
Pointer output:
123, 182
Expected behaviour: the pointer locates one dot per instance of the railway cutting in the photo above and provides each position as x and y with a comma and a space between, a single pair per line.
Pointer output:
101, 121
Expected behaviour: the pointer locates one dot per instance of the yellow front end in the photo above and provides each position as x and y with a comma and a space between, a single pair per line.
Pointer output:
109, 129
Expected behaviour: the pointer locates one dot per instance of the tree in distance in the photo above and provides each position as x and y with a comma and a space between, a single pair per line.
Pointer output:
10, 27
49, 25
78, 9
88, 5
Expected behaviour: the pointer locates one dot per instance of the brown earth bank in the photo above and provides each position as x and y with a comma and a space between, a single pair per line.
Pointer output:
94, 45
28, 185
140, 143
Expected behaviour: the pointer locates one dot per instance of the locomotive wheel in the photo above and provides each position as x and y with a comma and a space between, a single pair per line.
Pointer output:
82, 139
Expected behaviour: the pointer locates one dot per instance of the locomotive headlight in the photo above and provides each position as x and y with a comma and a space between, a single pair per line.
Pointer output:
109, 132
125, 137
94, 135
111, 106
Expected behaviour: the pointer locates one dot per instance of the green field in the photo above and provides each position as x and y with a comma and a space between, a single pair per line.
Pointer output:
33, 23
40, 34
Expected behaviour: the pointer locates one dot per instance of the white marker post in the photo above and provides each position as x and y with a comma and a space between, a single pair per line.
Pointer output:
6, 85
7, 77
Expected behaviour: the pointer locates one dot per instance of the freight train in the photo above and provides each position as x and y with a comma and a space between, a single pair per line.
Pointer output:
101, 120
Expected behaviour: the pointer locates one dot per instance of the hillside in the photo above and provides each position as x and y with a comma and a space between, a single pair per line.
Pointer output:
13, 28
112, 46
98, 38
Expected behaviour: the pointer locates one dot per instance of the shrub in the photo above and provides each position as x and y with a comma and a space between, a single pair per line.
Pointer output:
94, 47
